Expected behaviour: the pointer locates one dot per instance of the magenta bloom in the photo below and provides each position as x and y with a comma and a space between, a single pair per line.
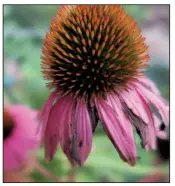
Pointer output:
93, 57
19, 136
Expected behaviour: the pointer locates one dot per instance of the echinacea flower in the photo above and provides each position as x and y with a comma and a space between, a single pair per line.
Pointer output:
19, 136
93, 57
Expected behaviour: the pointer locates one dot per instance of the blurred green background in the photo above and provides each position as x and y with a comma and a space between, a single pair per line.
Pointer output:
25, 27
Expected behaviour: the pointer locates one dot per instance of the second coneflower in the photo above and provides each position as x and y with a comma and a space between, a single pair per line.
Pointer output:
19, 136
93, 57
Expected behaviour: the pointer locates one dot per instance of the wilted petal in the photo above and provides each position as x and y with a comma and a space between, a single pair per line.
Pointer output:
83, 144
84, 131
45, 111
147, 83
158, 102
68, 131
115, 103
93, 116
141, 115
57, 120
116, 132
77, 140
140, 125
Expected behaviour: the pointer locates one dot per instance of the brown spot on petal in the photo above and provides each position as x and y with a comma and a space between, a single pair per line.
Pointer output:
80, 143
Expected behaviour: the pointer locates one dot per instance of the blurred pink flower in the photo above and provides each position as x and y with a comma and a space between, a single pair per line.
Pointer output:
19, 134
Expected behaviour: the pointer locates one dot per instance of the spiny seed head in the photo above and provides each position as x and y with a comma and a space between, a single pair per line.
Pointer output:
92, 49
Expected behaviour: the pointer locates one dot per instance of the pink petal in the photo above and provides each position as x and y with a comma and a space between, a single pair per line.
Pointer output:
115, 103
151, 127
57, 120
84, 132
158, 102
116, 132
139, 106
68, 132
77, 138
45, 111
149, 85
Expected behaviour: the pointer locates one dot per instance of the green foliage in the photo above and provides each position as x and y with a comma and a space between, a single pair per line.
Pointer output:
137, 11
103, 164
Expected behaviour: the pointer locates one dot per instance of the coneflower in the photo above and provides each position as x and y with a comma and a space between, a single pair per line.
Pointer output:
93, 58
19, 136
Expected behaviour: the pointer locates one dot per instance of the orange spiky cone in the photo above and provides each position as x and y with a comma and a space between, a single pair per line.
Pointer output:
92, 49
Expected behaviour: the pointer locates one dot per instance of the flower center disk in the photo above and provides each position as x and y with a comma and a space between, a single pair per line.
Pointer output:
92, 49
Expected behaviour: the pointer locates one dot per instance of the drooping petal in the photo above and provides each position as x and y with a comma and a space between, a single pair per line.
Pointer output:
140, 114
115, 103
140, 125
157, 101
84, 132
77, 135
67, 133
147, 83
116, 132
151, 126
45, 111
56, 122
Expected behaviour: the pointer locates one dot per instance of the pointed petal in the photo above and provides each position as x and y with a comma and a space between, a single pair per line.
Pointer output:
115, 103
57, 120
68, 132
116, 132
147, 83
140, 113
77, 138
84, 132
45, 111
158, 102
